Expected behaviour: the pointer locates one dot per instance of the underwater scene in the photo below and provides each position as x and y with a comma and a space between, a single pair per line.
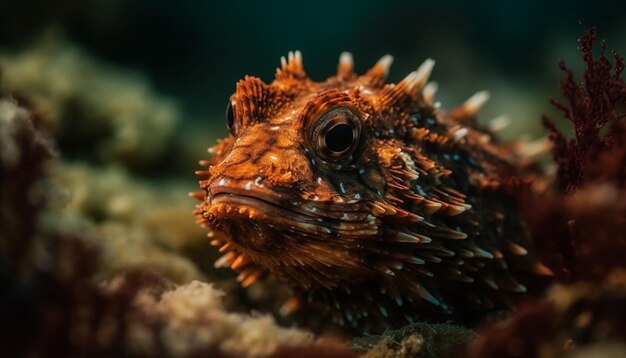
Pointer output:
313, 179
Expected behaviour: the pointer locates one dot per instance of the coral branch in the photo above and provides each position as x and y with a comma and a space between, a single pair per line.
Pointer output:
593, 104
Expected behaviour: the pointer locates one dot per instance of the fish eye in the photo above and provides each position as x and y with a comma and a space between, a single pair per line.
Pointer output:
230, 118
336, 134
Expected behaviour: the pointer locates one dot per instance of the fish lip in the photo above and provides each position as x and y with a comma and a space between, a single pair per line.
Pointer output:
277, 205
221, 191
247, 200
268, 208
289, 217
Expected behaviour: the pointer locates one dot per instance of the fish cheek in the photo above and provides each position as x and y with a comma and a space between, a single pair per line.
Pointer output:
374, 179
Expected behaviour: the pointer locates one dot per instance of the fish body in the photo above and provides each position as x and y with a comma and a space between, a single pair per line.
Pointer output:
365, 198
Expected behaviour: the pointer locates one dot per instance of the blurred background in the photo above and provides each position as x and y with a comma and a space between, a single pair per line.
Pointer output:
194, 52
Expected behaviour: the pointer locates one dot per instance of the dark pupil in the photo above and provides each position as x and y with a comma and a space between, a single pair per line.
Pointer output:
230, 116
339, 138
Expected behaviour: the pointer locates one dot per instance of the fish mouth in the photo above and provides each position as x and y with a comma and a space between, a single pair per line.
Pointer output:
250, 205
233, 204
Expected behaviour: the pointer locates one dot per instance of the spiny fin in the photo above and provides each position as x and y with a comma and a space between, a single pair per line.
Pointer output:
291, 68
408, 88
290, 306
470, 107
417, 79
255, 100
345, 68
377, 75
499, 123
532, 150
429, 92
541, 269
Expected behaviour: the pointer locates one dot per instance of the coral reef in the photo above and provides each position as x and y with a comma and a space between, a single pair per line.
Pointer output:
108, 125
95, 111
23, 152
421, 339
594, 104
193, 318
135, 223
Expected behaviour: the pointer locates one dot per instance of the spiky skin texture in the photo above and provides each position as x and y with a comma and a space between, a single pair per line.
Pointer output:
413, 223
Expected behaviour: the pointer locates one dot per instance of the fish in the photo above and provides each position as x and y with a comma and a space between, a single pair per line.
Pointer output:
366, 198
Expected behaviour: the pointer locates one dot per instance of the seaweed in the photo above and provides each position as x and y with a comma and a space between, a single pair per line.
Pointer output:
598, 102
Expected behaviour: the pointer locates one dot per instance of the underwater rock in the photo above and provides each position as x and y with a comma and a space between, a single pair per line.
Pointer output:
95, 111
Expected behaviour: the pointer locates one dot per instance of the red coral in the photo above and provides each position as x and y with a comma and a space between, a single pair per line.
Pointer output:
575, 235
593, 103
580, 233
